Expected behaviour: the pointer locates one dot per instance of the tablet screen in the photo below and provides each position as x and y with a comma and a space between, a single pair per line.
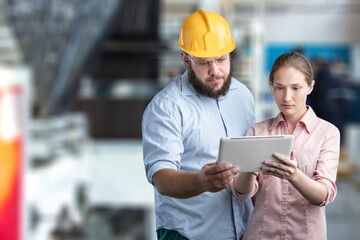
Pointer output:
249, 152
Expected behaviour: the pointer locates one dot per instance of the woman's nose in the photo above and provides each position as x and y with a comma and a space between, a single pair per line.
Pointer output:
287, 95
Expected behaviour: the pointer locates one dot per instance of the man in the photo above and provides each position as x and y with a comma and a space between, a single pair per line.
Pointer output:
181, 129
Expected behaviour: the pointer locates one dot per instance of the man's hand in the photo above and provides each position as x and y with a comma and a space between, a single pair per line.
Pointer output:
215, 177
211, 178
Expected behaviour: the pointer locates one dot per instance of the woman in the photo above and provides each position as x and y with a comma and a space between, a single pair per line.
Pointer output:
289, 197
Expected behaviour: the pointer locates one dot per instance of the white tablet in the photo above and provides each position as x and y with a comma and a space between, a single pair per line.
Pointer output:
249, 152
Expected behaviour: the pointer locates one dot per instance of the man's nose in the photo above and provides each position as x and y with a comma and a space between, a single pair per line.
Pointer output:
214, 68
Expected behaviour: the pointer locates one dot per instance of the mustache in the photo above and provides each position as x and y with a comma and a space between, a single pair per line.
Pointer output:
216, 77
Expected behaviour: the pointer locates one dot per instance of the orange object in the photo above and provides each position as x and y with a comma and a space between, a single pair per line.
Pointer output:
10, 189
11, 159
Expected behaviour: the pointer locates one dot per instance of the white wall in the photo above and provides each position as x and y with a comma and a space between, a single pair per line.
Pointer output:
312, 28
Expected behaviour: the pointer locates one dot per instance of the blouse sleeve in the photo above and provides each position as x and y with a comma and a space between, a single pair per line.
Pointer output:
249, 195
328, 161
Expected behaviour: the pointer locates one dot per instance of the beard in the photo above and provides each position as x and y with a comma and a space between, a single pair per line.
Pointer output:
206, 90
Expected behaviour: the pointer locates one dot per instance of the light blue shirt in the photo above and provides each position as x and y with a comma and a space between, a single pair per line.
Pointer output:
181, 130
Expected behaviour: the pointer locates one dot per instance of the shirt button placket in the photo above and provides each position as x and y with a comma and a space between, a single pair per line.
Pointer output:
284, 208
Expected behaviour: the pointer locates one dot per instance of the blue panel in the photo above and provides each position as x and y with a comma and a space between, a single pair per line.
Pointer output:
327, 52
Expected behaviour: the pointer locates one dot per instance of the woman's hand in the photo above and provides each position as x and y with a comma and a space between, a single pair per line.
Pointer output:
313, 191
285, 168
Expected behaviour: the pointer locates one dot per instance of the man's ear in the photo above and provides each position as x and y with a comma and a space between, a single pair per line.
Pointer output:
185, 59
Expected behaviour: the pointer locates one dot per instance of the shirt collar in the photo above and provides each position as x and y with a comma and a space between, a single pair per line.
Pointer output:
277, 120
309, 120
188, 89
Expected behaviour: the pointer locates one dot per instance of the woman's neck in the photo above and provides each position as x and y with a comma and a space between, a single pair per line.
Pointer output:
292, 120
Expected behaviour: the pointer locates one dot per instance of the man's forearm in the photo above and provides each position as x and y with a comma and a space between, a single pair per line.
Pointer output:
177, 184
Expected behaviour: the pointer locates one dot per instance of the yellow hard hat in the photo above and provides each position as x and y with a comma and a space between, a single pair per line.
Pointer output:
206, 34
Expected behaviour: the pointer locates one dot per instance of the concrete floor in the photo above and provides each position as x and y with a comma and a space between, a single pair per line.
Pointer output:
343, 215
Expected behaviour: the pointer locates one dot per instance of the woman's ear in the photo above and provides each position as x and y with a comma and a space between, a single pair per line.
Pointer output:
311, 87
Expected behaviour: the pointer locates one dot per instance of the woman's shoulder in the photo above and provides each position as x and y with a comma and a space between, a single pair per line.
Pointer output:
266, 122
327, 126
262, 127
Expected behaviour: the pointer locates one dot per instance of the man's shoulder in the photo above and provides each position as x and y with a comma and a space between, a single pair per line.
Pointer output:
239, 86
171, 90
168, 97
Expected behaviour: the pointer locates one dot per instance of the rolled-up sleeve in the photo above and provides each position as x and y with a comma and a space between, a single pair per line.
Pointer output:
161, 131
328, 162
248, 195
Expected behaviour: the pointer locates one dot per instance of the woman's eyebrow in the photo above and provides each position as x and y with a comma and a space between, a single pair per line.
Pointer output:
292, 85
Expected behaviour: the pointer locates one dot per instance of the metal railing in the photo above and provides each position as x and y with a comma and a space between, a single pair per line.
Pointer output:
57, 38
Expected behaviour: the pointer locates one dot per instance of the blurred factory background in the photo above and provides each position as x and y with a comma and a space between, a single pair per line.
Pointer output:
84, 72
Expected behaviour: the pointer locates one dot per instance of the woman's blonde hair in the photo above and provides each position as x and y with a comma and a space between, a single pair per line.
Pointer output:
295, 60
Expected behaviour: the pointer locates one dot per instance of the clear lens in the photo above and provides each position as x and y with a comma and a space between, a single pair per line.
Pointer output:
207, 64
